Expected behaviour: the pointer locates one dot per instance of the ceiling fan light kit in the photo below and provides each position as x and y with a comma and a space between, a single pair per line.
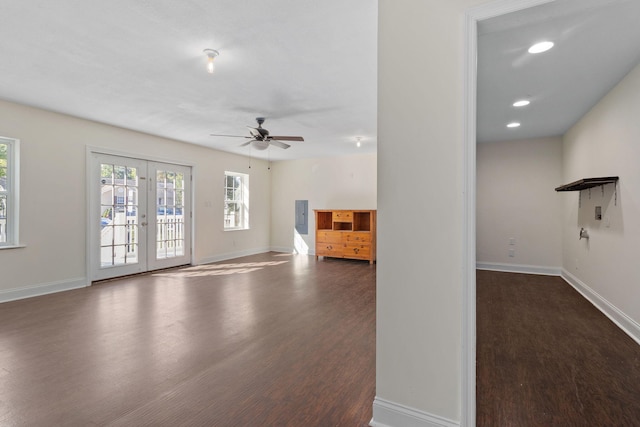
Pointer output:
260, 145
260, 138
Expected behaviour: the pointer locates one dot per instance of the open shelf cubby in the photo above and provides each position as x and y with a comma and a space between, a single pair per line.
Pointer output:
342, 226
324, 221
361, 221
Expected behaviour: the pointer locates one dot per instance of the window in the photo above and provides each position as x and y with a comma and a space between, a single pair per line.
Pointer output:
236, 201
9, 155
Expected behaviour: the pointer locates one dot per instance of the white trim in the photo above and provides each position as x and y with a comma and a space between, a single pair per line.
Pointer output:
469, 84
468, 333
390, 414
283, 249
617, 316
292, 250
12, 246
12, 193
137, 156
43, 289
519, 268
231, 255
502, 7
90, 256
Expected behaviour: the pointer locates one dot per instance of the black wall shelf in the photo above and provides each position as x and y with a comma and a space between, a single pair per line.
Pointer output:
585, 183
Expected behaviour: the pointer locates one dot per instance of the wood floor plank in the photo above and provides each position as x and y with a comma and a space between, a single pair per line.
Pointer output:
547, 357
271, 339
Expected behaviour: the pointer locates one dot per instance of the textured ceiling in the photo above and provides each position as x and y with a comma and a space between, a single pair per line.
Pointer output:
597, 42
308, 66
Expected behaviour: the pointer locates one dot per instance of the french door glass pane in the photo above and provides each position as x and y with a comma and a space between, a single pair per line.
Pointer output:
170, 237
118, 215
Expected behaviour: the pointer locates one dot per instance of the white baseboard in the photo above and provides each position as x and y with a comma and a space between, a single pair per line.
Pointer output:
516, 268
624, 322
231, 255
282, 249
389, 414
291, 250
43, 289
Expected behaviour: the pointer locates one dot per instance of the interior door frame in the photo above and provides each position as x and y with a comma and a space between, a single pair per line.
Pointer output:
90, 150
470, 87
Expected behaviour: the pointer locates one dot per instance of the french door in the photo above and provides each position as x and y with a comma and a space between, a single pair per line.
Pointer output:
140, 216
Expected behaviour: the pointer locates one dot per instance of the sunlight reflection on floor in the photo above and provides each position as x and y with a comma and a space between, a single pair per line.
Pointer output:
219, 269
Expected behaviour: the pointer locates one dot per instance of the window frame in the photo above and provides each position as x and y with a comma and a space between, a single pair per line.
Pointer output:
242, 199
11, 191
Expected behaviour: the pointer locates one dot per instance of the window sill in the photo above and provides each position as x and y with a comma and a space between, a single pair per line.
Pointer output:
236, 229
12, 246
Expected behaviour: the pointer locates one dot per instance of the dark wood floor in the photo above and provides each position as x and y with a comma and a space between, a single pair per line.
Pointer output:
266, 340
547, 357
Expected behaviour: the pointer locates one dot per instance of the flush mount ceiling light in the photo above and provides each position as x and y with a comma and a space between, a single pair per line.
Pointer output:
211, 54
521, 103
513, 125
541, 47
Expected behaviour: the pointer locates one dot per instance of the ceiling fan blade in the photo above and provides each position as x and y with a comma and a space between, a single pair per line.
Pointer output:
231, 136
287, 138
247, 143
279, 144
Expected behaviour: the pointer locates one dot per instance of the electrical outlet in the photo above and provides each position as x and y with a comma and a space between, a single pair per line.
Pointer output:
512, 241
512, 253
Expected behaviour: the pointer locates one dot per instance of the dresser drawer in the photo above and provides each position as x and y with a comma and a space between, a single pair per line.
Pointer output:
357, 237
329, 237
357, 250
329, 249
342, 216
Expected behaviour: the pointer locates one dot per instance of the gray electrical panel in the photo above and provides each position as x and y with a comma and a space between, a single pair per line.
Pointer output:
302, 216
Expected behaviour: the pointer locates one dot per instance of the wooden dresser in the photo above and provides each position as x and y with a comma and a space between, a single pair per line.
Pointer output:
346, 234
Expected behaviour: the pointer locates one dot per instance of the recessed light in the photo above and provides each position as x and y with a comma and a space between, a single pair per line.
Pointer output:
513, 125
540, 47
521, 103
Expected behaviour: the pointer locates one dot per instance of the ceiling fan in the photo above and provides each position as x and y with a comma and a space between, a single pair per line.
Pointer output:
260, 138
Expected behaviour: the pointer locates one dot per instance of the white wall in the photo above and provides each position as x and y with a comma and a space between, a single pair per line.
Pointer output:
348, 182
606, 142
53, 198
420, 207
516, 199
